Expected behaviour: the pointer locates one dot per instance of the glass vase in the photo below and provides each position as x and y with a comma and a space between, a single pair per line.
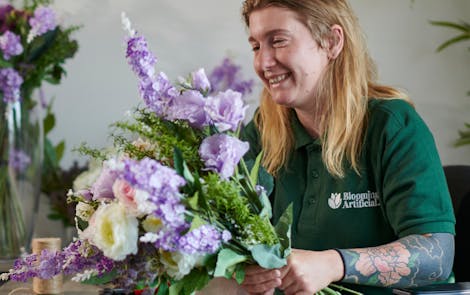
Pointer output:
21, 152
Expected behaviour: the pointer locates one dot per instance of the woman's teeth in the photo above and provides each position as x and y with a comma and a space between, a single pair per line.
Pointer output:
277, 79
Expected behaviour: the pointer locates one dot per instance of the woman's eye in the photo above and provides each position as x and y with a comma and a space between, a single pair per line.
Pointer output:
255, 47
279, 42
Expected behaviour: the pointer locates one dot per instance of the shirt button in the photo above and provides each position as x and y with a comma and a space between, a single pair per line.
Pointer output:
311, 201
315, 174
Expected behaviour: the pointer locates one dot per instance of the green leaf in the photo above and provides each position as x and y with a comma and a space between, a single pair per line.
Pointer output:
283, 230
104, 279
454, 40
268, 256
193, 201
181, 167
196, 222
48, 122
227, 259
464, 27
266, 211
255, 169
59, 150
240, 273
5, 64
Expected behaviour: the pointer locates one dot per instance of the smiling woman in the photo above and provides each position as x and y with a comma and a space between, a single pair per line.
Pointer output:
352, 155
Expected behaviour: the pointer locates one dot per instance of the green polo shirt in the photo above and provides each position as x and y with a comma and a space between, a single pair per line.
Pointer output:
402, 188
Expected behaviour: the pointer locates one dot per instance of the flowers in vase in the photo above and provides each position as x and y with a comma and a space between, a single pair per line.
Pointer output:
33, 49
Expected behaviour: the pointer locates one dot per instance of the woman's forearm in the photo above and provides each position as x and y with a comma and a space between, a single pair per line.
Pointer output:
410, 261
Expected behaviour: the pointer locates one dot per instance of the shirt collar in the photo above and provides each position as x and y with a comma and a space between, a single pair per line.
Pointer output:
302, 138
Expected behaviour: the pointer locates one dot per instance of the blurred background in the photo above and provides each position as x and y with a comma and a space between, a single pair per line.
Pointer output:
186, 35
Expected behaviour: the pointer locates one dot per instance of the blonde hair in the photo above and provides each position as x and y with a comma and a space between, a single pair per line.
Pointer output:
342, 93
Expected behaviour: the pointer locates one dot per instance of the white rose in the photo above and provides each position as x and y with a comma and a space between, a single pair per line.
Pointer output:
113, 231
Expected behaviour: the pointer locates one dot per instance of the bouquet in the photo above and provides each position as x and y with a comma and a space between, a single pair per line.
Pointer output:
172, 204
33, 49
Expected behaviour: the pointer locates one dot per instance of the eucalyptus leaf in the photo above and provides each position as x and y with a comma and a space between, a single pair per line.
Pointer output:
283, 230
226, 261
268, 256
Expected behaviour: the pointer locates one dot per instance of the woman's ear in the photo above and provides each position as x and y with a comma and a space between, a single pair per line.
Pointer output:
336, 41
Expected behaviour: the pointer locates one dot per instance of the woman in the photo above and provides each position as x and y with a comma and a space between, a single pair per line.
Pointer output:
371, 204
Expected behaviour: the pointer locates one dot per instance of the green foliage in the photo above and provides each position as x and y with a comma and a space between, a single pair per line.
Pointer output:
463, 34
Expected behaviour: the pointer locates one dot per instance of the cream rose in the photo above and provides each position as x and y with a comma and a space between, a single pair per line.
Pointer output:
113, 231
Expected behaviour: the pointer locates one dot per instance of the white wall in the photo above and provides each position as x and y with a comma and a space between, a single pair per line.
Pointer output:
187, 34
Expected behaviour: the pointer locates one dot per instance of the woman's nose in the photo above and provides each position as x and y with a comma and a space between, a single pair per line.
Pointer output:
266, 58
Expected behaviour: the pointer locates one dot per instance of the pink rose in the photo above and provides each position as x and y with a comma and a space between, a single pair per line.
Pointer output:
125, 193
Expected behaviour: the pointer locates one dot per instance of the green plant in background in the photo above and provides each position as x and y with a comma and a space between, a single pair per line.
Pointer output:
463, 34
34, 48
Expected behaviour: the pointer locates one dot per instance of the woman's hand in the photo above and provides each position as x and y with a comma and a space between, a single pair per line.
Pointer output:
307, 272
261, 281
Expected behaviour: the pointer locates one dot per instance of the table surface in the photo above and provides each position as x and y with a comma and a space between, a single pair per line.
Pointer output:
69, 287
216, 287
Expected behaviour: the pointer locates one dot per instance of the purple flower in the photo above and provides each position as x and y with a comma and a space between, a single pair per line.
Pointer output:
103, 186
139, 57
43, 20
10, 83
221, 153
162, 183
19, 160
189, 106
158, 93
226, 110
227, 76
205, 239
10, 44
200, 81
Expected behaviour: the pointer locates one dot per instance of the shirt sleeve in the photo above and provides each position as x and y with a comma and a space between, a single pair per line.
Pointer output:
409, 171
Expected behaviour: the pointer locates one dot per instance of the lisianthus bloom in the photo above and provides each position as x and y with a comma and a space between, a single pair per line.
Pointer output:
103, 186
113, 231
226, 110
135, 200
221, 153
189, 106
178, 264
200, 81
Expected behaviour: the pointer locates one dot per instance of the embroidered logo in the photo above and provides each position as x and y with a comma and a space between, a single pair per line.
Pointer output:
348, 200
334, 201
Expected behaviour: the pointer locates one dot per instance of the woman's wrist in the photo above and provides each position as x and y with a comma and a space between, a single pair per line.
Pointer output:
337, 262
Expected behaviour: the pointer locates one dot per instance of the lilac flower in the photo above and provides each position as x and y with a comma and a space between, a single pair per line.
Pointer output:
103, 186
43, 20
221, 153
19, 160
10, 83
205, 239
189, 106
158, 93
10, 44
200, 81
227, 76
139, 57
162, 183
226, 110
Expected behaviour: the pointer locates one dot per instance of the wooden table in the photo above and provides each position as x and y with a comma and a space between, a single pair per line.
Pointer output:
215, 287
69, 287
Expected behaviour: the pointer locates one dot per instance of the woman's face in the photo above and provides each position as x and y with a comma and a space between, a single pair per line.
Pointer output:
286, 57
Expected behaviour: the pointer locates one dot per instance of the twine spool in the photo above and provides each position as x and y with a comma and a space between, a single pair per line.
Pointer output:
53, 285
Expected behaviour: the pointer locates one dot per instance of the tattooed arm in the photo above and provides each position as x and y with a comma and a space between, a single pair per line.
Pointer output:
410, 261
